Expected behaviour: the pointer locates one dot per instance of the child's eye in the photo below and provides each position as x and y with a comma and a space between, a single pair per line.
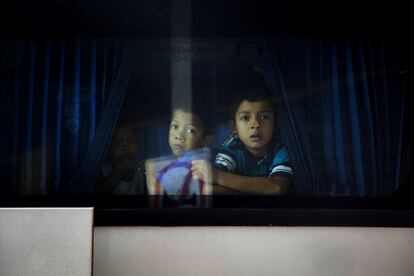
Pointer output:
174, 126
265, 117
191, 130
244, 118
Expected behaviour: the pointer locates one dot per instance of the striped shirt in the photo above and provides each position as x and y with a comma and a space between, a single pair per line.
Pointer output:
235, 158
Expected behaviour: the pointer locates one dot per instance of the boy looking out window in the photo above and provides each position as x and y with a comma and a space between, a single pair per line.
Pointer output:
252, 160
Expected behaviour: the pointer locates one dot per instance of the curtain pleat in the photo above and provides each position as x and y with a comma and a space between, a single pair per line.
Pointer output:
92, 93
84, 181
29, 120
44, 124
14, 188
59, 110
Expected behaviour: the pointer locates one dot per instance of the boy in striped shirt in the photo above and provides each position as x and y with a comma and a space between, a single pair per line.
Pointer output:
252, 160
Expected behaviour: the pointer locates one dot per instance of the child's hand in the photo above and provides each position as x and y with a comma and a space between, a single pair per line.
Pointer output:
202, 170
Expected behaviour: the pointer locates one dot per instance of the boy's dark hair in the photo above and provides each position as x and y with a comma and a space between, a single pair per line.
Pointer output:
252, 92
201, 105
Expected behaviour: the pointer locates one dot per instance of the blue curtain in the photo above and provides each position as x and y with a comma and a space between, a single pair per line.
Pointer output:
59, 99
340, 112
99, 142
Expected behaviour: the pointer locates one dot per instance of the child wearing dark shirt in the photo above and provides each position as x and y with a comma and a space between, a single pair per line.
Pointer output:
120, 173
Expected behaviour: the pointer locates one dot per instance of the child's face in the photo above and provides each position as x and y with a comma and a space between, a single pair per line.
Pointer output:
186, 133
124, 144
254, 123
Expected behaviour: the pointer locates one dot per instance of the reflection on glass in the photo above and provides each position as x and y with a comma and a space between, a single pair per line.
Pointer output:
174, 183
334, 124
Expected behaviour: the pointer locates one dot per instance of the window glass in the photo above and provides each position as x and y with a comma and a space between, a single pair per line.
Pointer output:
188, 118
